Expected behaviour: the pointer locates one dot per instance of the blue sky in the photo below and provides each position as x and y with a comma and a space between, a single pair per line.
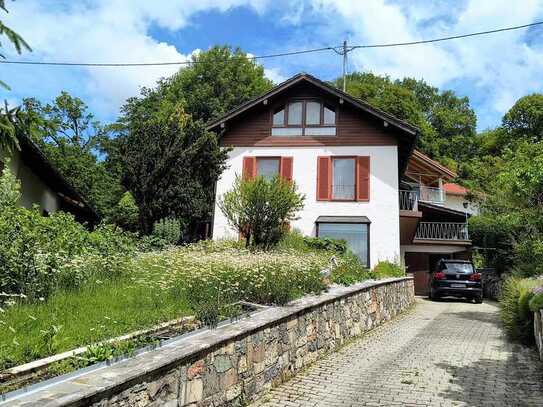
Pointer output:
492, 71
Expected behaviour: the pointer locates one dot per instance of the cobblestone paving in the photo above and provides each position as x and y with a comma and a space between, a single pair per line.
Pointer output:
447, 353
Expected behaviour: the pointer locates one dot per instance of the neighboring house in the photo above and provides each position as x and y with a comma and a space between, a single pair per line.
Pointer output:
42, 184
352, 162
456, 198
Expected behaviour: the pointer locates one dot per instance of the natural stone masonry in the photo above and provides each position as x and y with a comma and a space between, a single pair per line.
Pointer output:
538, 332
448, 353
239, 362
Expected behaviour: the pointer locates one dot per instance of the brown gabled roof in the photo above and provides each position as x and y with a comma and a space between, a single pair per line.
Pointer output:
411, 132
400, 124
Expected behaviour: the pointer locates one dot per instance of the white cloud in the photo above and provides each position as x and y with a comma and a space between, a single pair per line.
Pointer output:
109, 31
275, 75
501, 65
493, 70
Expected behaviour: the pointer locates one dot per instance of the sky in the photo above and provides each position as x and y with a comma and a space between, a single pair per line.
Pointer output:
493, 71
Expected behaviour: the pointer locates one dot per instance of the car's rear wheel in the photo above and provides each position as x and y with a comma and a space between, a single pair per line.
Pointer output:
433, 296
478, 299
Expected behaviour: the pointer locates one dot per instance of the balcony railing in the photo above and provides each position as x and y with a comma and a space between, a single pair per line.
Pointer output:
409, 201
431, 194
442, 231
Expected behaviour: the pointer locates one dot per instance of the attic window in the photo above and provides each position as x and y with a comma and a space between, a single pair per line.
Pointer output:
309, 117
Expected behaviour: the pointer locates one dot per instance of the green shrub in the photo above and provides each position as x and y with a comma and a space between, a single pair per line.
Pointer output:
126, 213
326, 243
260, 209
536, 302
35, 252
10, 188
296, 241
349, 271
385, 269
515, 310
169, 230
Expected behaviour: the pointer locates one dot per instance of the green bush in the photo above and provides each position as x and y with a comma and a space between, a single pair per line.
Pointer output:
536, 303
35, 252
515, 310
169, 230
385, 269
349, 271
260, 209
296, 241
126, 213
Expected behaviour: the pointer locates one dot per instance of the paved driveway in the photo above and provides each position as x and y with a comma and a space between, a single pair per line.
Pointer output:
438, 354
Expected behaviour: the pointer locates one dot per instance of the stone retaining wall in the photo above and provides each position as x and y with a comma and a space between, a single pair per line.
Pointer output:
236, 363
492, 283
538, 332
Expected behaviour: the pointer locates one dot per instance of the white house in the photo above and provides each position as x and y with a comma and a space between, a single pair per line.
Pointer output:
348, 158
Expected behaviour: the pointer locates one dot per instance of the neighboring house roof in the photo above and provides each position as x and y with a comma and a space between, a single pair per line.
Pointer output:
422, 166
409, 131
455, 189
74, 202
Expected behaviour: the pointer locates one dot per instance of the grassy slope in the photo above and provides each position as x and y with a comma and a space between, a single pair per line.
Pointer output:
99, 311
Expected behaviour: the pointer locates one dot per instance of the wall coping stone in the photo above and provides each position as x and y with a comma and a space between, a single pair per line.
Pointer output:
77, 390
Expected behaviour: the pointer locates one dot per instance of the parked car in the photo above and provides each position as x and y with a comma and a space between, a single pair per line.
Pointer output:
456, 278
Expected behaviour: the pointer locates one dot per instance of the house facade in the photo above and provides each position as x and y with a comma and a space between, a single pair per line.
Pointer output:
348, 159
43, 185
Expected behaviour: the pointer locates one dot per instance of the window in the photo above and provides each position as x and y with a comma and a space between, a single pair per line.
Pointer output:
312, 113
295, 114
355, 234
304, 118
329, 116
343, 178
267, 167
279, 117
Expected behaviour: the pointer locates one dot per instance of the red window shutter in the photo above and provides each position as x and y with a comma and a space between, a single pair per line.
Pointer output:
249, 167
362, 178
286, 168
324, 178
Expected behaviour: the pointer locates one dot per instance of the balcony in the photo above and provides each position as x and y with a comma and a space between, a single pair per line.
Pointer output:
420, 193
442, 231
409, 201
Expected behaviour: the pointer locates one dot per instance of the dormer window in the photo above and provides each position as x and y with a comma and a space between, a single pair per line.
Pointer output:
309, 117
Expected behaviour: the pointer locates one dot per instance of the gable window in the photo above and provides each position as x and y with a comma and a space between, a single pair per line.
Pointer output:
309, 117
343, 178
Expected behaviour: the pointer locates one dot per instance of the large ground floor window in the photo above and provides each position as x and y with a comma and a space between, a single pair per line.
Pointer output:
355, 234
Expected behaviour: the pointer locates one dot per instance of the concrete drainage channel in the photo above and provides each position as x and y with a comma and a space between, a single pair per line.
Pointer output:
166, 334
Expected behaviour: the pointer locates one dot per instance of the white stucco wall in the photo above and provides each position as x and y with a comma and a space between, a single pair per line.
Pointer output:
382, 209
33, 190
456, 202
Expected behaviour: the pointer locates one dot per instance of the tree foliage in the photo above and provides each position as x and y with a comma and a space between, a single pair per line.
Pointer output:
163, 153
260, 209
447, 121
15, 39
509, 172
170, 165
71, 138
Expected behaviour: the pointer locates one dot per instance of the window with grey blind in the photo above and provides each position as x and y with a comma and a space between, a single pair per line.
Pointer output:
343, 178
267, 167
